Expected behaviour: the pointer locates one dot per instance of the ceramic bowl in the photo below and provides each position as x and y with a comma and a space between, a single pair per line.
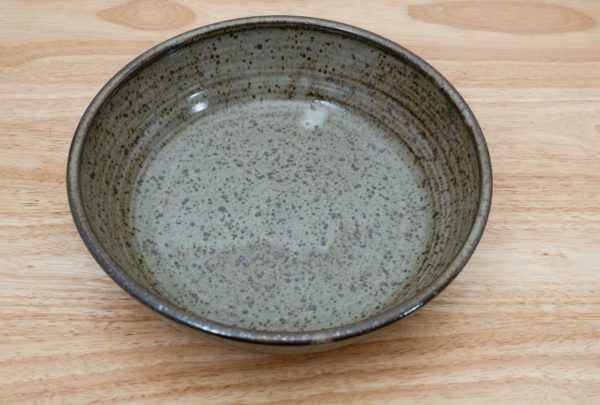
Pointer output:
286, 183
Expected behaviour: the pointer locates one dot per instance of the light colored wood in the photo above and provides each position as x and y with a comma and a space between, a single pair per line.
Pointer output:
520, 324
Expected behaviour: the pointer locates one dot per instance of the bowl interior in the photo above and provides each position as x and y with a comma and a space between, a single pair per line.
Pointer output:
280, 177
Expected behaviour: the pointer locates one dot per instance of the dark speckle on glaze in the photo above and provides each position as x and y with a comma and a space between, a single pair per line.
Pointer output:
296, 180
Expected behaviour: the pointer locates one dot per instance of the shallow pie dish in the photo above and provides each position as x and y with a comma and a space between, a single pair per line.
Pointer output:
284, 183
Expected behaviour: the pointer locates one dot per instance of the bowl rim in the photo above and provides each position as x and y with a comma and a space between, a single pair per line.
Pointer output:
235, 333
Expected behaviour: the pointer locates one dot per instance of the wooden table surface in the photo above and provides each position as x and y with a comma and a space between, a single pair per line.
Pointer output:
520, 324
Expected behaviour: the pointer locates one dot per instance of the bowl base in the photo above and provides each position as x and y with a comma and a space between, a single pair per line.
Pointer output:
282, 215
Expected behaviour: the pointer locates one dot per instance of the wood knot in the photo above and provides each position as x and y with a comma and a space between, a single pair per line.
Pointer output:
149, 15
503, 16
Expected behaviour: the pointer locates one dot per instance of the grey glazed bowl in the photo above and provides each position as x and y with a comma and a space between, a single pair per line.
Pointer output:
283, 183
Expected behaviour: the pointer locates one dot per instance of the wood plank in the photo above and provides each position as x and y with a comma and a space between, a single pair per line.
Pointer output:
521, 324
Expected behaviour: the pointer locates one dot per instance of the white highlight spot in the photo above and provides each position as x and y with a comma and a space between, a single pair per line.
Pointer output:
313, 117
197, 102
317, 113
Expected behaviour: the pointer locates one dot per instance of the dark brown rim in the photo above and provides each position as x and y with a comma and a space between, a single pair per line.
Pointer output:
260, 337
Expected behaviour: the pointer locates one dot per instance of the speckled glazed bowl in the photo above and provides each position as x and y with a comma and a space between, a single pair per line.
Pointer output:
280, 182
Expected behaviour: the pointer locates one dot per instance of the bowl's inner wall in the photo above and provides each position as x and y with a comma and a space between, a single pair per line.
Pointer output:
204, 82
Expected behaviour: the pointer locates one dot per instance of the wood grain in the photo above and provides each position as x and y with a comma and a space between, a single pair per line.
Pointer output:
521, 324
515, 17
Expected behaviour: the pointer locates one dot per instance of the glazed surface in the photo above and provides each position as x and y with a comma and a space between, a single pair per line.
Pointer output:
281, 179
